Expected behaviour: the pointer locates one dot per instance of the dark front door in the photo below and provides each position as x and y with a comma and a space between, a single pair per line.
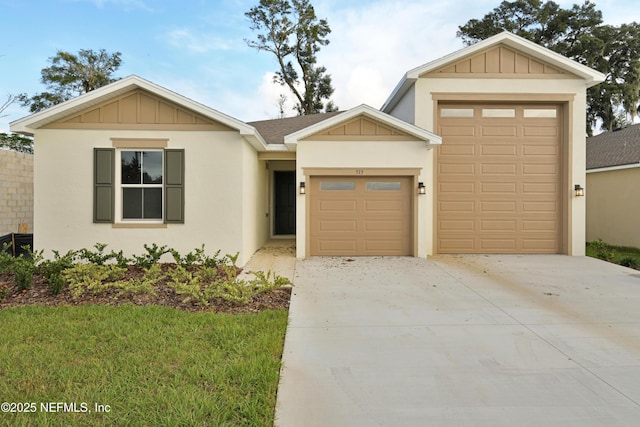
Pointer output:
285, 202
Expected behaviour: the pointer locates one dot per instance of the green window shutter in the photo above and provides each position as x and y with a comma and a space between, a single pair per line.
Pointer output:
103, 185
174, 186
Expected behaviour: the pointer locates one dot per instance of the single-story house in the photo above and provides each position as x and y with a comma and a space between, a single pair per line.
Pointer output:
613, 186
476, 152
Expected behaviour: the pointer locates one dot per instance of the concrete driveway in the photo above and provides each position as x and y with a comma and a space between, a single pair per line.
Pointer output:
462, 341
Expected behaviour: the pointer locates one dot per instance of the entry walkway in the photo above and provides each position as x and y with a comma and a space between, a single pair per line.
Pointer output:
462, 341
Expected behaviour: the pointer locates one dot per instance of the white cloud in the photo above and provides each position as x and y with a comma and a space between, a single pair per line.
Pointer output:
201, 43
372, 47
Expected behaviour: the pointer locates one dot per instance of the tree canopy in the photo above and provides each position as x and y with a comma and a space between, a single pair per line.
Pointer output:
71, 75
577, 33
290, 30
16, 143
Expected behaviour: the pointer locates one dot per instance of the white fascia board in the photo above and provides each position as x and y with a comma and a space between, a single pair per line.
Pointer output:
429, 137
614, 168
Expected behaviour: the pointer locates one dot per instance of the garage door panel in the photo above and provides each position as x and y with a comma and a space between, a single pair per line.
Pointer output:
499, 169
334, 206
457, 168
537, 225
458, 187
498, 131
540, 169
498, 150
373, 219
457, 225
337, 246
503, 195
456, 207
383, 206
327, 225
460, 150
540, 131
498, 187
498, 225
384, 226
458, 131
541, 150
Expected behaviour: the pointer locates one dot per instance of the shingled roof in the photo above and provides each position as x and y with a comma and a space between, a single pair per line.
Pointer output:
274, 131
616, 148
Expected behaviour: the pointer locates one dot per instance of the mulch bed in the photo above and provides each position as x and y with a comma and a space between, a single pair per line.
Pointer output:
38, 294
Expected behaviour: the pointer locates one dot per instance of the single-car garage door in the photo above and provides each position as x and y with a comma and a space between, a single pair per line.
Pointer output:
356, 215
499, 179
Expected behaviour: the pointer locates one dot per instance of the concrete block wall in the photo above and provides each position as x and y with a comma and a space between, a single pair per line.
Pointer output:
16, 191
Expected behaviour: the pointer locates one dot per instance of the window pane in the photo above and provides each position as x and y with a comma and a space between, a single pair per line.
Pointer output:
337, 186
131, 167
383, 186
152, 167
540, 113
456, 112
153, 203
132, 203
499, 112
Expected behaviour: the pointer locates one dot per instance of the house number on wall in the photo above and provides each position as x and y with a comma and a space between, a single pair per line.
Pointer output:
359, 171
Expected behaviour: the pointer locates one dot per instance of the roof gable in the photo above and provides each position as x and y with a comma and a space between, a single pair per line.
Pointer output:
103, 96
498, 61
361, 128
554, 62
139, 109
361, 123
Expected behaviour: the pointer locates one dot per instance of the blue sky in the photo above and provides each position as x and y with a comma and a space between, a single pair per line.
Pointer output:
197, 47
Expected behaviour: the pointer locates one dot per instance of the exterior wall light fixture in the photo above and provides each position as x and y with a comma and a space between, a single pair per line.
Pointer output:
578, 190
303, 190
421, 188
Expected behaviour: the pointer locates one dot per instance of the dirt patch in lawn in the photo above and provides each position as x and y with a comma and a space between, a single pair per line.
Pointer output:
163, 295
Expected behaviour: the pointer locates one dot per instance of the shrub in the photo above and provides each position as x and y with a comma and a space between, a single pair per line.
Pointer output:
6, 258
602, 250
153, 255
24, 267
630, 262
52, 270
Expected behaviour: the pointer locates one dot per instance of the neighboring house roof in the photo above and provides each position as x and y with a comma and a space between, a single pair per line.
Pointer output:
274, 131
291, 140
590, 76
28, 124
614, 149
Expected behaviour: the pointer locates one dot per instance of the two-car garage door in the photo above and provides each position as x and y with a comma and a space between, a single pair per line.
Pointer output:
499, 179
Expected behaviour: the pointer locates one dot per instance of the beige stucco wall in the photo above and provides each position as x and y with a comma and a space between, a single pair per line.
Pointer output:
362, 155
16, 191
519, 90
255, 190
214, 177
613, 203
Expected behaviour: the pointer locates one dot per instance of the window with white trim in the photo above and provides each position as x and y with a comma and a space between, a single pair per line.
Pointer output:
141, 185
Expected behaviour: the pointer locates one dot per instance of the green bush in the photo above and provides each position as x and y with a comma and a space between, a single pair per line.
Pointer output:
629, 261
153, 255
6, 259
24, 267
52, 270
602, 250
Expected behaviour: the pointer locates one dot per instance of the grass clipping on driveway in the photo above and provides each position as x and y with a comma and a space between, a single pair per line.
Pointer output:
127, 365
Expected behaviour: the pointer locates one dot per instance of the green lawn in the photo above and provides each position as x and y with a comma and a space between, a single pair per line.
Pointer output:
149, 366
